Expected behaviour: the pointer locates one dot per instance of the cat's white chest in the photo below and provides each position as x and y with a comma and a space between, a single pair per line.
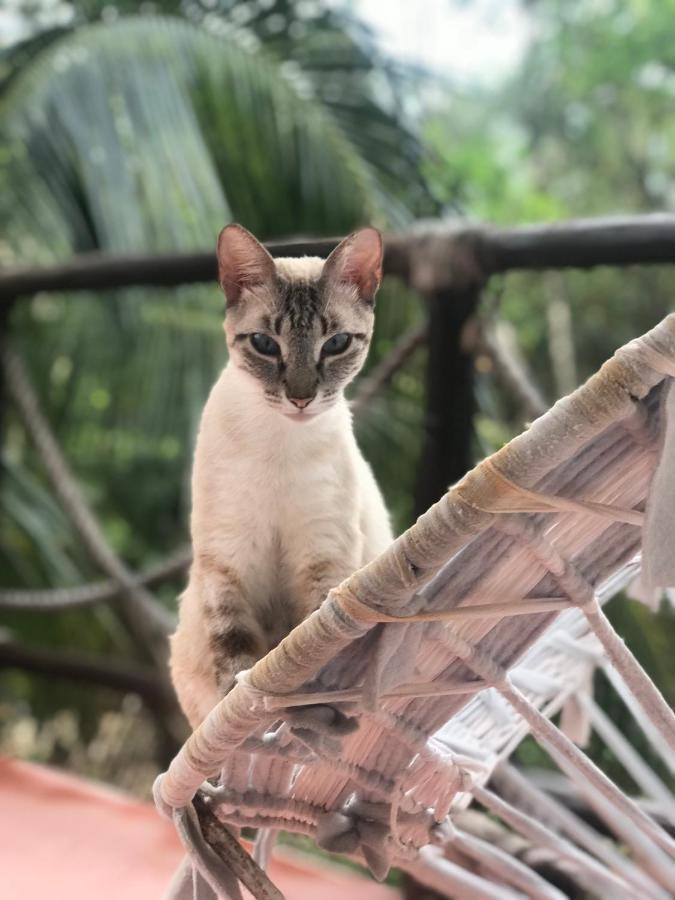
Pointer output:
272, 495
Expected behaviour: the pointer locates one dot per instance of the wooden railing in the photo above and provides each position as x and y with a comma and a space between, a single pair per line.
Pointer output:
472, 251
448, 267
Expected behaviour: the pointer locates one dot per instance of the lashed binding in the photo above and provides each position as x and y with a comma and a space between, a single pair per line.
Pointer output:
397, 740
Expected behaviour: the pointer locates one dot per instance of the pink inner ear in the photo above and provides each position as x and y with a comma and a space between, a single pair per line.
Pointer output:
242, 261
358, 261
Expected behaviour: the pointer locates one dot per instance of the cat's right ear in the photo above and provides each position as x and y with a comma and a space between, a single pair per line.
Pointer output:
243, 262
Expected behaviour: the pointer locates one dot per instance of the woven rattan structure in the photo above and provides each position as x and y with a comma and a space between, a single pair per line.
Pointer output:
388, 709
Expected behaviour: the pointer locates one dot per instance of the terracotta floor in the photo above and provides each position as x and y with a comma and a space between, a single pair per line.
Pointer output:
62, 838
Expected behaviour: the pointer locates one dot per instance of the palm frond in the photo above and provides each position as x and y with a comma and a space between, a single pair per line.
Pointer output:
149, 134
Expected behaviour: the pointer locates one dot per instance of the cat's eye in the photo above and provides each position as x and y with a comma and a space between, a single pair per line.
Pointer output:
336, 344
264, 344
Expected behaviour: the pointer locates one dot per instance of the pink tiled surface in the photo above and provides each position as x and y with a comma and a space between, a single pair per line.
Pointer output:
63, 838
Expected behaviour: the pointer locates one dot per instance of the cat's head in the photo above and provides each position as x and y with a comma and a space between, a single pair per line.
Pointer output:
299, 327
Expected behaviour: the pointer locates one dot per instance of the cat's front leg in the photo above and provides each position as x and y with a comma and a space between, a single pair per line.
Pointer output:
218, 635
323, 544
314, 578
235, 635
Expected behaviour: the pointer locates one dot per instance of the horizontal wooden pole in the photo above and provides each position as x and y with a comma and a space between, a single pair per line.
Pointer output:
619, 241
57, 599
101, 271
122, 675
583, 244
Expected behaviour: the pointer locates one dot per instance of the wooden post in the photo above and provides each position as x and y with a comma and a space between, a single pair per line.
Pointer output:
450, 281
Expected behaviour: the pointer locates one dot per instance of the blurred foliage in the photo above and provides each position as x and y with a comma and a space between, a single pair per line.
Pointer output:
123, 132
107, 147
582, 128
118, 746
650, 636
328, 56
148, 134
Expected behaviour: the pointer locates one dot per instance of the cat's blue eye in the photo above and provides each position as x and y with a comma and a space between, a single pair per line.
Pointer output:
336, 344
264, 344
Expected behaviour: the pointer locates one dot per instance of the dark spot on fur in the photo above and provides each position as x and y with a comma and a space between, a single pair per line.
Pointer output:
233, 644
210, 563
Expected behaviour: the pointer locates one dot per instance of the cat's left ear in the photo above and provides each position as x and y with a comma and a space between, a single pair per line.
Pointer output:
243, 262
357, 261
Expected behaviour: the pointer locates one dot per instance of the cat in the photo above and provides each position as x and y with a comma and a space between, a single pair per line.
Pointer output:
284, 506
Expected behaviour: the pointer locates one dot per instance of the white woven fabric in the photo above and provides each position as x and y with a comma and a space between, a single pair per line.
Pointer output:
372, 770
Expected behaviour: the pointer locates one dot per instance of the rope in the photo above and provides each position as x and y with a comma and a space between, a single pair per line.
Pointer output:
417, 689
361, 612
58, 599
656, 360
590, 874
532, 805
528, 501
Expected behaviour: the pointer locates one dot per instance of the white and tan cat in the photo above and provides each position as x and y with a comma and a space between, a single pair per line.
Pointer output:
284, 506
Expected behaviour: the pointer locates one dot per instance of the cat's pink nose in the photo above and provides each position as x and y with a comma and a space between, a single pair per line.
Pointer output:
301, 402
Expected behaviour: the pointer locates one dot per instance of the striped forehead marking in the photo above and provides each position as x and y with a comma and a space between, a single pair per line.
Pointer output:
300, 301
